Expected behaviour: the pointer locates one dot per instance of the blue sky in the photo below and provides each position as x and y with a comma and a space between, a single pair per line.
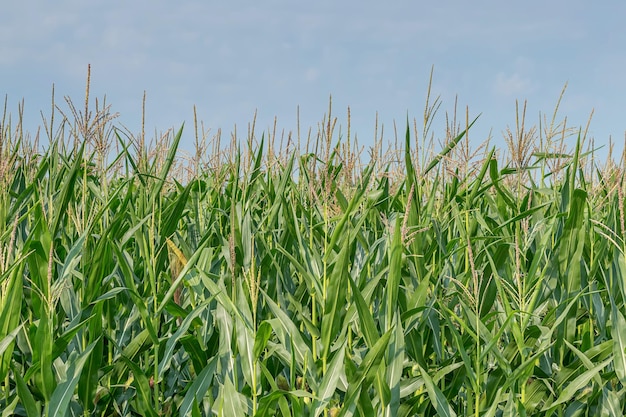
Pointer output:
233, 58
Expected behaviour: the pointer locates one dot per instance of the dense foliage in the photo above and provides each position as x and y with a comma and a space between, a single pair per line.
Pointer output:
302, 283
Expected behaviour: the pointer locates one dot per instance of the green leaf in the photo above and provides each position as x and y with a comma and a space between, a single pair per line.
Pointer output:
619, 343
164, 364
144, 392
43, 354
9, 410
32, 408
88, 382
339, 231
329, 382
395, 273
8, 339
267, 404
62, 395
395, 365
289, 334
334, 307
365, 373
368, 326
245, 345
11, 297
198, 387
166, 165
578, 383
263, 334
437, 398
451, 145
230, 401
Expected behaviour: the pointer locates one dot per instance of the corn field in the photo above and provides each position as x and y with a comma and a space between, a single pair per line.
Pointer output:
283, 276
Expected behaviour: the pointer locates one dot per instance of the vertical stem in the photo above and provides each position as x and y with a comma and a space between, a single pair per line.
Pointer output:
313, 291
154, 288
325, 278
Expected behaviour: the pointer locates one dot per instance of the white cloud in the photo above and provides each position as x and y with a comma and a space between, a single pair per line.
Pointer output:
311, 74
512, 85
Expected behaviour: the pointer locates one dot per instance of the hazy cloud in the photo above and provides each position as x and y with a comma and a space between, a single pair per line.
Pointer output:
512, 85
311, 74
232, 57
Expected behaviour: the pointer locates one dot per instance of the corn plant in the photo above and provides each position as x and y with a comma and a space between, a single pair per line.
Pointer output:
299, 281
